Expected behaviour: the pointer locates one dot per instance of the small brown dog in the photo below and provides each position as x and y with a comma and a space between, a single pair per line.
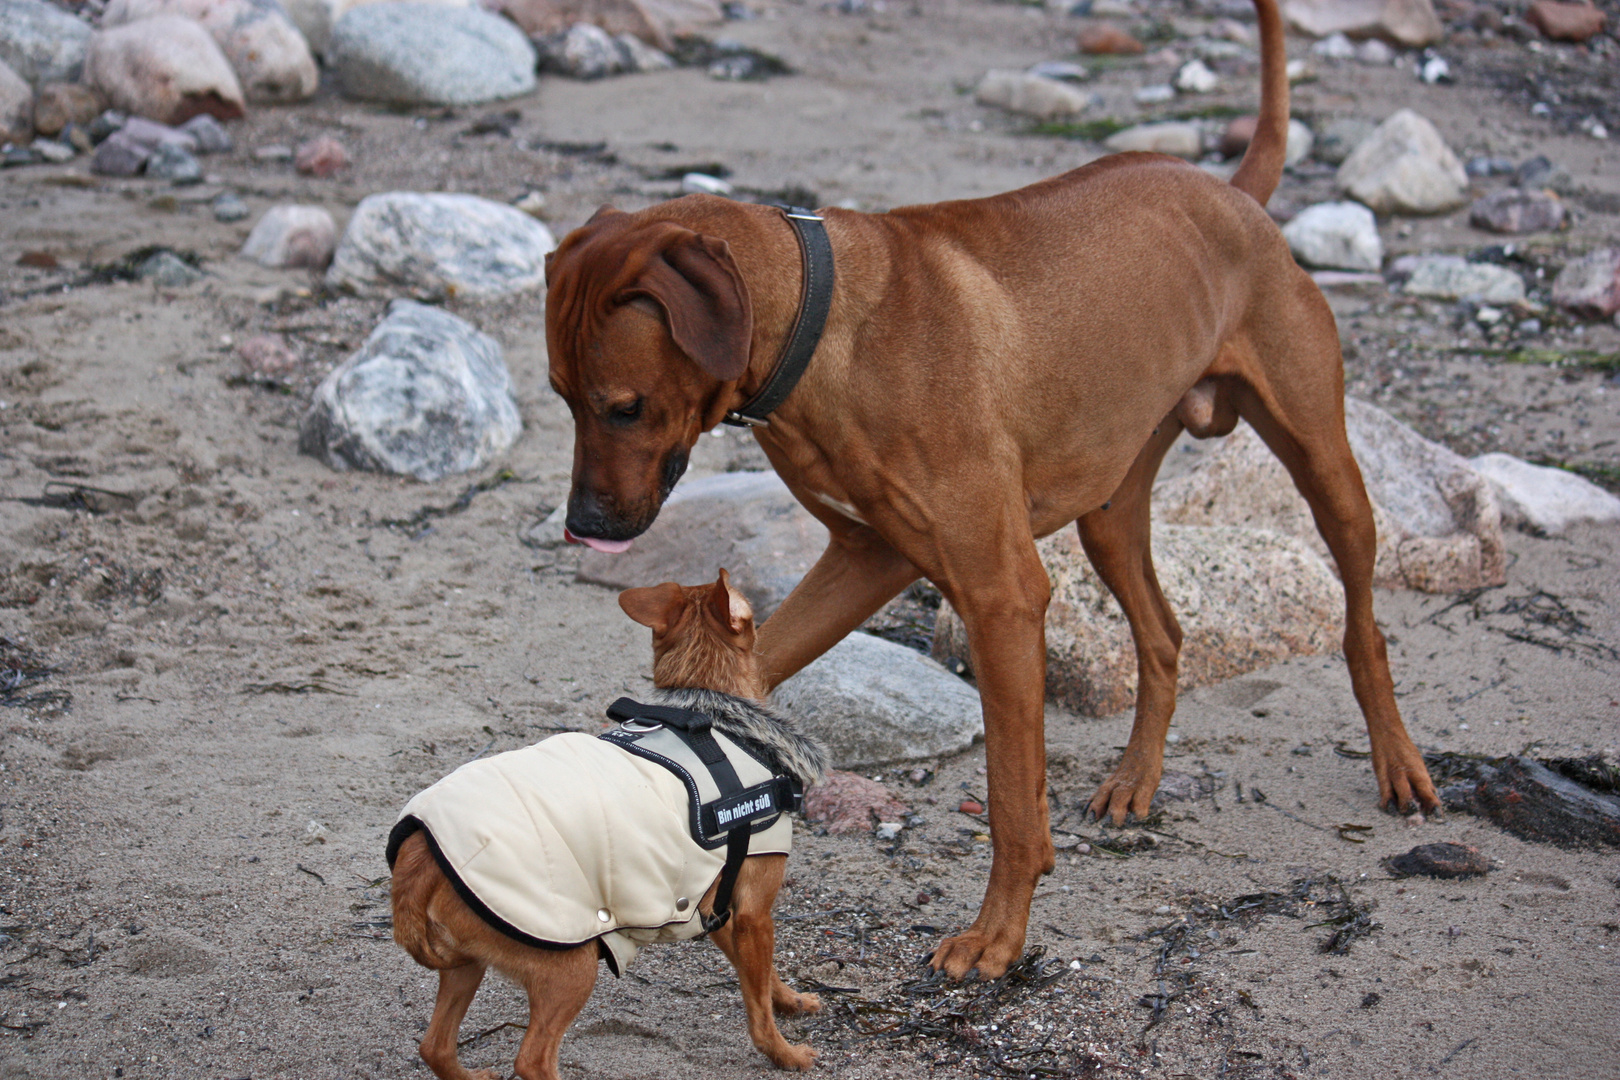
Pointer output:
705, 666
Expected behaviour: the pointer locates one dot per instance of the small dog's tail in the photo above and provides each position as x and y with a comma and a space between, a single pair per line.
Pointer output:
1262, 164
417, 880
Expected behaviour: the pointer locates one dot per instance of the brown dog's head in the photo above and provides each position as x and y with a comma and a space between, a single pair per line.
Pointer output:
703, 636
647, 324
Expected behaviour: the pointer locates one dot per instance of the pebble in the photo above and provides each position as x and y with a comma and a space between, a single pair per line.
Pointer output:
696, 183
210, 135
1561, 21
1195, 77
174, 164
1540, 172
1410, 24
1405, 167
1063, 70
583, 51
1450, 277
1515, 210
1339, 235
1433, 69
292, 236
888, 830
1154, 94
104, 125
57, 105
1440, 861
1178, 138
1481, 167
119, 155
1589, 285
426, 54
1334, 47
321, 157
52, 151
268, 356
1105, 40
15, 156
1031, 95
229, 207
273, 152
168, 270
971, 806
532, 203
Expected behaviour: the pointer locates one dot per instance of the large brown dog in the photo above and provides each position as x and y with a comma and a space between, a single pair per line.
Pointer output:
991, 371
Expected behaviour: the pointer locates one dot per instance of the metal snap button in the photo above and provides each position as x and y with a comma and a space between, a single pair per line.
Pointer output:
682, 903
602, 914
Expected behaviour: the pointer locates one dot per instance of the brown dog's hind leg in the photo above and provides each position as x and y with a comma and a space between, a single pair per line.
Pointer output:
1118, 542
749, 941
558, 984
1301, 418
457, 986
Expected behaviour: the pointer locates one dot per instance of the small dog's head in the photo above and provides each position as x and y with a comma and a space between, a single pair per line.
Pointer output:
703, 636
647, 324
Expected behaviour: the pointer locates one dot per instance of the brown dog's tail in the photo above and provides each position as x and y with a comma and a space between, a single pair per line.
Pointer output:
417, 880
1263, 161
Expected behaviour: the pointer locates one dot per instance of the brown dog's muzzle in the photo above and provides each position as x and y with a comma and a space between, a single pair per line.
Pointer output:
617, 512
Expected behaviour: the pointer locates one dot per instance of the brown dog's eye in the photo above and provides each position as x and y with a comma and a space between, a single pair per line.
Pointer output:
626, 414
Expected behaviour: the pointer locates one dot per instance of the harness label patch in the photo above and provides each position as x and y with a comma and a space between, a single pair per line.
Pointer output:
745, 810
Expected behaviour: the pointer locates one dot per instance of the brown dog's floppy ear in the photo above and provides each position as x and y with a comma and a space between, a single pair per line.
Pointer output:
729, 607
705, 300
657, 606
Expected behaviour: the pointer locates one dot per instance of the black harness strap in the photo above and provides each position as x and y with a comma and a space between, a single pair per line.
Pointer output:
698, 730
736, 854
815, 301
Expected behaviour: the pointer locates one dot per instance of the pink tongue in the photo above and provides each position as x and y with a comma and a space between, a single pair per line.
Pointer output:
609, 547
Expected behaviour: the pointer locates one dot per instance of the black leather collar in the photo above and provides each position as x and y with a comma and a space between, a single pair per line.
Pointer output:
814, 303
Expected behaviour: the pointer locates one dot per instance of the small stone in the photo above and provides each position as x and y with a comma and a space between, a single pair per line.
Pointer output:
532, 203
887, 830
1334, 47
427, 396
1062, 70
77, 137
1488, 166
168, 270
1450, 277
1340, 136
971, 806
1434, 69
167, 68
16, 107
52, 151
1175, 137
1341, 235
847, 803
1439, 861
1538, 172
1589, 286
1565, 21
696, 183
59, 104
1196, 78
1515, 210
1106, 40
228, 207
321, 157
1412, 23
273, 152
270, 57
269, 357
549, 533
316, 833
171, 163
583, 51
1405, 167
104, 125
210, 134
151, 135
1031, 95
119, 155
1154, 94
14, 156
1375, 53
923, 898
291, 236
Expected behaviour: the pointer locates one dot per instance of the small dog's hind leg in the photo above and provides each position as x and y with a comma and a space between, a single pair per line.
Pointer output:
749, 941
558, 984
457, 986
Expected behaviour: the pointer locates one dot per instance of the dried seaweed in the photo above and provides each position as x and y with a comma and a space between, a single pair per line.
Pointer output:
420, 522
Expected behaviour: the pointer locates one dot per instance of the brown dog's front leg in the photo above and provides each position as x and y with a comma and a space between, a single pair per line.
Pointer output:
1005, 620
749, 941
857, 574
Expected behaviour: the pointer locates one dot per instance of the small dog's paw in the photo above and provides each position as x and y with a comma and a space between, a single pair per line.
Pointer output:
794, 1058
797, 1004
486, 1074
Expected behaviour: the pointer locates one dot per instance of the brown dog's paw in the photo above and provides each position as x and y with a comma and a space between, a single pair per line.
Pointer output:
1125, 793
793, 1058
976, 952
1404, 786
796, 1004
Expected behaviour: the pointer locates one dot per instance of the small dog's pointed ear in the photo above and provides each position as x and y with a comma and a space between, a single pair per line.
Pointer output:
705, 302
655, 606
729, 607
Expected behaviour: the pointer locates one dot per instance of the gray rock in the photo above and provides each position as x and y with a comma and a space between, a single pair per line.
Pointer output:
1439, 527
871, 702
16, 106
427, 396
640, 56
166, 67
747, 522
1411, 23
104, 125
1341, 136
166, 269
583, 51
1589, 286
1539, 172
289, 236
1450, 277
171, 163
432, 246
1171, 137
1342, 235
149, 134
50, 150
1515, 210
209, 134
1489, 166
1544, 500
1245, 598
41, 42
119, 155
1405, 167
228, 207
424, 54
1031, 95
